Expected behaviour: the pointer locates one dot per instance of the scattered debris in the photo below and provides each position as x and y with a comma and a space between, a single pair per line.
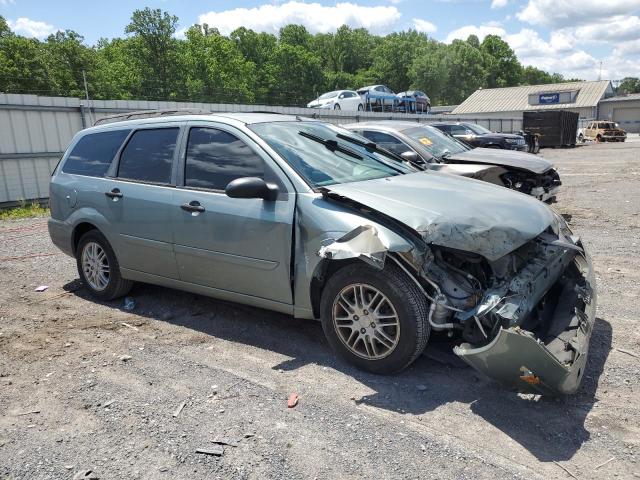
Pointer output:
129, 326
85, 475
31, 412
249, 435
177, 411
217, 450
41, 288
163, 469
107, 404
293, 400
69, 467
129, 304
604, 463
622, 350
566, 470
125, 358
225, 441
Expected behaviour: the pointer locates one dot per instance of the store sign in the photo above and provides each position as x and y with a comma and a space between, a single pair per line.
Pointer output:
546, 98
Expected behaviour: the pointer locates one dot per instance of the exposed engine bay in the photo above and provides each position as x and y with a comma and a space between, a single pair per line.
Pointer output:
543, 186
523, 318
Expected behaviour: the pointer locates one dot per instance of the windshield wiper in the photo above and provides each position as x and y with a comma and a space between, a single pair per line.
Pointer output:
373, 147
331, 145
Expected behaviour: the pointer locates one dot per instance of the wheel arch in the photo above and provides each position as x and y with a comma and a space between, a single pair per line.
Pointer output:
78, 231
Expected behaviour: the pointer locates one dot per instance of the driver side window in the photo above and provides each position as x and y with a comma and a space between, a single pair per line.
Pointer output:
215, 158
387, 141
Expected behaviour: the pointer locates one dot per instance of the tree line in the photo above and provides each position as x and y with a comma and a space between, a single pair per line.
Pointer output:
254, 67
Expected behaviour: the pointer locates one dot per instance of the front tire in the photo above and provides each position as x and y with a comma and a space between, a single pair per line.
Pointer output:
375, 319
336, 106
98, 267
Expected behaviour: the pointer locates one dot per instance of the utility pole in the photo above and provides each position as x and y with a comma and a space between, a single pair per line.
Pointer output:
86, 92
600, 74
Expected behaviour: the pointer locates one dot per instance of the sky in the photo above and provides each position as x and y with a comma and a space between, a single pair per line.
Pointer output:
586, 39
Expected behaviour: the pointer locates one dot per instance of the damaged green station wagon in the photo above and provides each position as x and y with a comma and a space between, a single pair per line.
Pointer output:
308, 219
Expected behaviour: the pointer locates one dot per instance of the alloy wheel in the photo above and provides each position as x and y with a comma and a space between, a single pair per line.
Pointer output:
95, 266
366, 321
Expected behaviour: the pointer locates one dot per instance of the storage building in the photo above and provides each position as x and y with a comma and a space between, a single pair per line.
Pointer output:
580, 97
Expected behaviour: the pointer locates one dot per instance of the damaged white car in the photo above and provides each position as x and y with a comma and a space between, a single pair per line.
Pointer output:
312, 220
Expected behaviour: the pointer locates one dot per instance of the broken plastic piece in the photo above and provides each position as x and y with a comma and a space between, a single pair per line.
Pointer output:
42, 288
361, 242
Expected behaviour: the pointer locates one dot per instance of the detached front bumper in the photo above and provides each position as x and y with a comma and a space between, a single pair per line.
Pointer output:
553, 365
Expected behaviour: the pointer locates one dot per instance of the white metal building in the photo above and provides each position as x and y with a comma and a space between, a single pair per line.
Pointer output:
623, 109
581, 97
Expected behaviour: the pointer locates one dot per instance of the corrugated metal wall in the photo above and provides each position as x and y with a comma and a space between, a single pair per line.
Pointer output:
35, 131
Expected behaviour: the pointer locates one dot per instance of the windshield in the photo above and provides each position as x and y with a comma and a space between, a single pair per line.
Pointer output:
329, 95
479, 129
321, 157
435, 142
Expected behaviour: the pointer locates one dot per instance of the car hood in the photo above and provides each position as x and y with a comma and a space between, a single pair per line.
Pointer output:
453, 211
506, 158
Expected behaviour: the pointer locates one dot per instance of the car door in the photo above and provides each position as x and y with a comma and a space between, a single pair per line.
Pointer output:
139, 198
239, 245
353, 100
463, 133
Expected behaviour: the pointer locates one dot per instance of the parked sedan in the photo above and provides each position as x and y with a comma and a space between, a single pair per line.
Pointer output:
378, 97
429, 147
311, 220
477, 136
338, 100
418, 101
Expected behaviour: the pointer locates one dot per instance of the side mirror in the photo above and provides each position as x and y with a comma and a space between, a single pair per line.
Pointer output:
251, 187
341, 95
411, 156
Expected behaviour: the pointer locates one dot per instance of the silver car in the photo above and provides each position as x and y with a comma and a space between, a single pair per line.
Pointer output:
311, 220
432, 149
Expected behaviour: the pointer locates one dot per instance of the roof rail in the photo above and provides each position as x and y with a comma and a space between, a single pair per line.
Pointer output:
121, 117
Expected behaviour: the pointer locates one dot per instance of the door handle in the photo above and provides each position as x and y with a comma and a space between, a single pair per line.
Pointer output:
193, 206
115, 193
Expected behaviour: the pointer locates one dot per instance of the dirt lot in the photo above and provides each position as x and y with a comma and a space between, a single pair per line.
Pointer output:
90, 386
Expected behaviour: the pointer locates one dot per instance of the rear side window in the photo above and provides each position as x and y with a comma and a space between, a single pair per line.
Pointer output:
148, 156
93, 153
215, 158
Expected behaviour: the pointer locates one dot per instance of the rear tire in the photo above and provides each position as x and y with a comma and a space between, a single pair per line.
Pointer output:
360, 107
387, 329
98, 267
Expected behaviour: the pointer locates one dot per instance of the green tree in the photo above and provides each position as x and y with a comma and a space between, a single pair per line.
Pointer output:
629, 85
257, 48
473, 41
295, 35
4, 27
117, 73
213, 68
296, 74
156, 50
22, 66
465, 65
500, 63
429, 72
394, 56
66, 58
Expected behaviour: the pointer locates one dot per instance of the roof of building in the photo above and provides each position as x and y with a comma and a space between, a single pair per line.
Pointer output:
623, 98
517, 98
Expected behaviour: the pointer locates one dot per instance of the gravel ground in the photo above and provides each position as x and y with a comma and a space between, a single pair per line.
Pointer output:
90, 386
